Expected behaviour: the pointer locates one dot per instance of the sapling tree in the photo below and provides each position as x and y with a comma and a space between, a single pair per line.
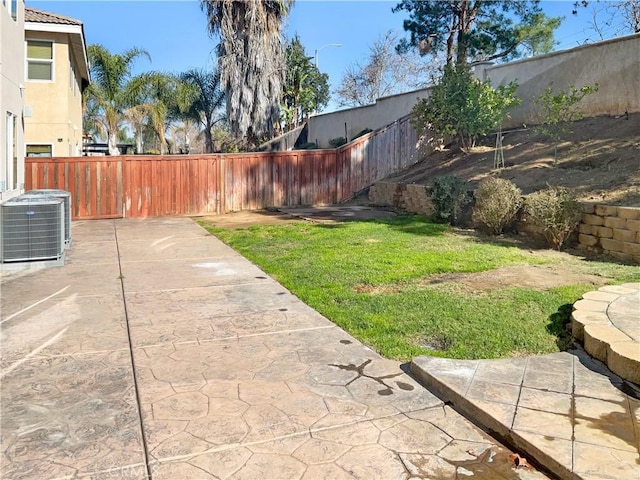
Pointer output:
557, 111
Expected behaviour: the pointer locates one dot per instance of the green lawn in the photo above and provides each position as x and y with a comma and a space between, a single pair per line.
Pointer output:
371, 278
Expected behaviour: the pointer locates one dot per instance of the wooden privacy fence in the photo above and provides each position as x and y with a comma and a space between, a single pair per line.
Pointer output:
153, 186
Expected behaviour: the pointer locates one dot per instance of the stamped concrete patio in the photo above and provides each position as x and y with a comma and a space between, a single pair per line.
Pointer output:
158, 352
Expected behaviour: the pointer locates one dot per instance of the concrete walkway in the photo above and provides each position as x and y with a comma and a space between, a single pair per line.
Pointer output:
158, 352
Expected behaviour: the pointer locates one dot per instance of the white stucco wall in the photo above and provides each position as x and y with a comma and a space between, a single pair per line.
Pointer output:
614, 64
323, 128
11, 81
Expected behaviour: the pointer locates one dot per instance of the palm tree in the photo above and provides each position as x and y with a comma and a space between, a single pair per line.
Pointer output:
201, 99
136, 115
112, 89
250, 60
151, 97
161, 92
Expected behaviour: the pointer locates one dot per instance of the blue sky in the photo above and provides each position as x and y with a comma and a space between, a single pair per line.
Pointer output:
175, 32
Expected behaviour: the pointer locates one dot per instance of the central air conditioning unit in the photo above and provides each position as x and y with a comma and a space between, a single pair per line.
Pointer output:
32, 229
66, 198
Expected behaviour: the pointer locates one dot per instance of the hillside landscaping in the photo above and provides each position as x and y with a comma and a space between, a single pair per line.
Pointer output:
599, 159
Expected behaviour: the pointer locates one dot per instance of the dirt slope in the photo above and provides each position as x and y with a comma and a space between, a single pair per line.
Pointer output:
600, 160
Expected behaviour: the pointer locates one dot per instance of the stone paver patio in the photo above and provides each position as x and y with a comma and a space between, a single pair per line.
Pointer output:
158, 352
607, 323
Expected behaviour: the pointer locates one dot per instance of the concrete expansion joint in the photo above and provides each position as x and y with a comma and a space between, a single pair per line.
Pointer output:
234, 379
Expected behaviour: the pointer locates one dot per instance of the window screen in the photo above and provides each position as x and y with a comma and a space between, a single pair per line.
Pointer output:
39, 60
39, 150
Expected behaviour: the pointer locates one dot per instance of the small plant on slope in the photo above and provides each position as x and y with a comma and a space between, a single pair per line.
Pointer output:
559, 110
337, 142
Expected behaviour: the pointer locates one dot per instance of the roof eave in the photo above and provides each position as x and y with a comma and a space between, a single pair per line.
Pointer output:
77, 41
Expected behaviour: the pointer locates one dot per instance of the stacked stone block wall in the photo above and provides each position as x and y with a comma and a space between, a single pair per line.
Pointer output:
410, 197
612, 230
607, 229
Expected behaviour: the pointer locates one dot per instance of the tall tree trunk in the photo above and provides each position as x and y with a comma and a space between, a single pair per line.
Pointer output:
138, 140
112, 142
450, 40
208, 139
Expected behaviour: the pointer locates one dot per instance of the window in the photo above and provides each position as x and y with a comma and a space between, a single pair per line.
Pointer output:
39, 60
14, 10
39, 150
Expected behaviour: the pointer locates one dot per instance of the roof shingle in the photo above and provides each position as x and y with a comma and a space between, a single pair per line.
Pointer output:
40, 16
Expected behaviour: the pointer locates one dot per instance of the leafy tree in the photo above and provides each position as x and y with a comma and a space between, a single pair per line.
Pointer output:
477, 30
201, 99
464, 107
386, 72
557, 111
612, 18
250, 60
150, 106
112, 89
305, 89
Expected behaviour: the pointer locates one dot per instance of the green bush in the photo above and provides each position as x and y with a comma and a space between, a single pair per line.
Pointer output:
497, 203
449, 195
555, 210
464, 107
308, 146
361, 133
337, 142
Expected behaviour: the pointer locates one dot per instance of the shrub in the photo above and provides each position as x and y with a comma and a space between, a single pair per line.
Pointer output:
464, 107
337, 142
449, 195
497, 203
361, 133
308, 146
555, 210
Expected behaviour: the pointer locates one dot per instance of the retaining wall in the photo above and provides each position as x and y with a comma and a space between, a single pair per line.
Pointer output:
410, 197
607, 229
611, 230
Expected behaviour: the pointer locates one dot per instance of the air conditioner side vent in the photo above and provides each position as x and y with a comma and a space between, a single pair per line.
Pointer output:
66, 198
32, 229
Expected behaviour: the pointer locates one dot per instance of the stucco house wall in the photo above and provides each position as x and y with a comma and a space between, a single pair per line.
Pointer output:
53, 108
11, 101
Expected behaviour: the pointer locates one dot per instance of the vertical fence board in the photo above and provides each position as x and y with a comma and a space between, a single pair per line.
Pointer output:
150, 186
